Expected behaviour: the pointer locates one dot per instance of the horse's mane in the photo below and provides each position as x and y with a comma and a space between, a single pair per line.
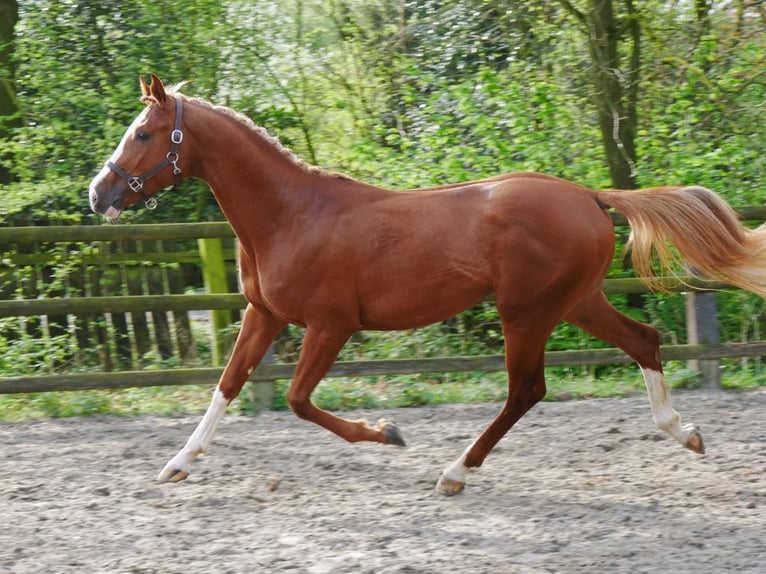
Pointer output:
175, 91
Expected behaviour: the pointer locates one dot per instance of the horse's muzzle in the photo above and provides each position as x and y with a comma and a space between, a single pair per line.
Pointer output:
105, 199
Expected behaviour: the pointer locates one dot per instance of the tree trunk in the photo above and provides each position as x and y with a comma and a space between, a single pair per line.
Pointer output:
615, 89
9, 110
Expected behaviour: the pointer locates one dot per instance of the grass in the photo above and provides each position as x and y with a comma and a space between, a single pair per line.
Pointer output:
362, 393
125, 402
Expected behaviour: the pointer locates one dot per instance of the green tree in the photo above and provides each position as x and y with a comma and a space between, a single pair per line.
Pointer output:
77, 69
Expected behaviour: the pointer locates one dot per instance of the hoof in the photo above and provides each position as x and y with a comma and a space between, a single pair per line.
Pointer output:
172, 475
449, 487
391, 432
694, 442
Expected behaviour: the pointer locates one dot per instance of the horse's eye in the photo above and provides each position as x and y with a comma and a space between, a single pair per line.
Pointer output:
142, 135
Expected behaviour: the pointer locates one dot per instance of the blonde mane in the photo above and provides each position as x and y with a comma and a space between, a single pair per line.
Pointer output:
250, 124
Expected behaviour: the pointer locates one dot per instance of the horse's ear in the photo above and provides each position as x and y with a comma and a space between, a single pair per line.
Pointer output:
157, 90
144, 86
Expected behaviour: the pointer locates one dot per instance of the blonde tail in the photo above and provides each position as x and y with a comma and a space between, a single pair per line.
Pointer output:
703, 228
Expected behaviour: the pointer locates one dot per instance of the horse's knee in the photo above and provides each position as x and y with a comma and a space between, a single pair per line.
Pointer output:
537, 393
651, 335
529, 395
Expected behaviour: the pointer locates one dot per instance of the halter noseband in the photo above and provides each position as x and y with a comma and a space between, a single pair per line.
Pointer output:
136, 182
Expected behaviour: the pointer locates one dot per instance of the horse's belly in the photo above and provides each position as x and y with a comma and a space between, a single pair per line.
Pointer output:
406, 307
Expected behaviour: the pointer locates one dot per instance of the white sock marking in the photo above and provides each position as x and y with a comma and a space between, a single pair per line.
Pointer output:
458, 471
665, 416
200, 439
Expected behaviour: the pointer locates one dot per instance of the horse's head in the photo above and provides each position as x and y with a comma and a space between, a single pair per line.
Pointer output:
149, 150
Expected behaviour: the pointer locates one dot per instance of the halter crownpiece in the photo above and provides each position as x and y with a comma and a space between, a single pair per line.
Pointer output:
136, 182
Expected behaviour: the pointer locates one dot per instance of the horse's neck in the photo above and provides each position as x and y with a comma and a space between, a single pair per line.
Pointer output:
259, 187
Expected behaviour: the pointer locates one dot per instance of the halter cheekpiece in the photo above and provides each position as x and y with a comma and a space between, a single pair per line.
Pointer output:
136, 182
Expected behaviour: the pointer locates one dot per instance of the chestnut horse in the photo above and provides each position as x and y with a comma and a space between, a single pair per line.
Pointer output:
335, 255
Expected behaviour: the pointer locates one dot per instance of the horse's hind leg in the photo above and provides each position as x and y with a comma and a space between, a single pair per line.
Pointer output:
641, 342
258, 331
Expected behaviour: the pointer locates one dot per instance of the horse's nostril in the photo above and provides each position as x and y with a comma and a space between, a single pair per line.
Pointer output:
97, 203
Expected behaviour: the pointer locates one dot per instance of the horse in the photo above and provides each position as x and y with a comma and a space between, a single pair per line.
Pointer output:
334, 255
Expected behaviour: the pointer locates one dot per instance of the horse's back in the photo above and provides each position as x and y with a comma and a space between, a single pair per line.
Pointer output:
431, 253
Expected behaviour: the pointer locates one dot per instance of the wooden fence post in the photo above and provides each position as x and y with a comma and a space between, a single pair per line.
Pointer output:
155, 284
702, 328
135, 283
261, 393
214, 274
184, 338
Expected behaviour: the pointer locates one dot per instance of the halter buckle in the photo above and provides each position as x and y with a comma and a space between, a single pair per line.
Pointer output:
136, 184
176, 136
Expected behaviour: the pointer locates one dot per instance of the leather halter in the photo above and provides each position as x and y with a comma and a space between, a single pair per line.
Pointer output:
136, 182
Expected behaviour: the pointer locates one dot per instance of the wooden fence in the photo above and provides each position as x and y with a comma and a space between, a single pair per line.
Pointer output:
138, 276
125, 272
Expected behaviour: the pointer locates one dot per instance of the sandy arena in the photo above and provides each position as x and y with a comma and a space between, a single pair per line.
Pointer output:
575, 487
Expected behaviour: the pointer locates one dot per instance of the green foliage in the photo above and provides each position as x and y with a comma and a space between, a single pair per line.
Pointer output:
702, 126
401, 94
76, 80
24, 352
30, 202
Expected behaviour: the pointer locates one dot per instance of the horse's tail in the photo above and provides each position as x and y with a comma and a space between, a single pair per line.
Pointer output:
703, 228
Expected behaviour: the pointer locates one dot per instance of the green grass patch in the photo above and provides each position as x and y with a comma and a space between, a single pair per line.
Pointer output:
123, 402
361, 393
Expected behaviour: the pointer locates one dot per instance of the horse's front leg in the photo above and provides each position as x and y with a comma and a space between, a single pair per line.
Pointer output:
258, 330
318, 353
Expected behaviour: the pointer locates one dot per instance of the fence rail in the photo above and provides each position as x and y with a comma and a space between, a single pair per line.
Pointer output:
271, 372
135, 303
76, 233
222, 301
120, 304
